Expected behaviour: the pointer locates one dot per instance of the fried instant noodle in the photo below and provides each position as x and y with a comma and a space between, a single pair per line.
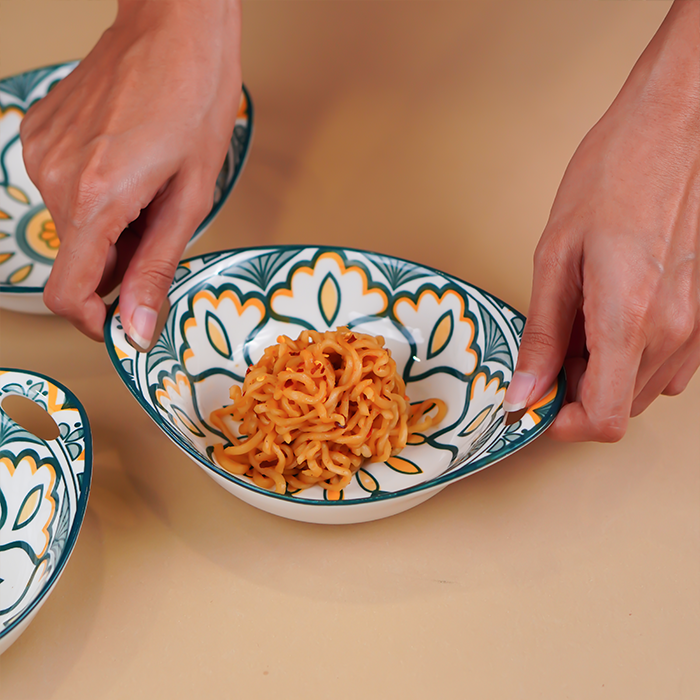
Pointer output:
313, 410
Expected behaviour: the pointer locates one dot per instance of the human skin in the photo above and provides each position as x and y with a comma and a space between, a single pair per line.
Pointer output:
126, 150
616, 284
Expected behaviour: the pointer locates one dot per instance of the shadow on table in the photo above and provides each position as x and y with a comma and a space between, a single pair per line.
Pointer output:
506, 526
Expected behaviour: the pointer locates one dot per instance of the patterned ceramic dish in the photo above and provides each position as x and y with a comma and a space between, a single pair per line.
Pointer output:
44, 487
28, 240
450, 340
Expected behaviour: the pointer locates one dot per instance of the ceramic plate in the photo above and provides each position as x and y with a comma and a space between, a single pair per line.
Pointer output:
450, 340
28, 240
44, 489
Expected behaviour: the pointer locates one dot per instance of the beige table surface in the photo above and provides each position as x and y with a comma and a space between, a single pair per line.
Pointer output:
438, 132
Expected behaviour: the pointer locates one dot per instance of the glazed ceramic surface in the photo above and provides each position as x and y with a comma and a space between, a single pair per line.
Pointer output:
44, 489
28, 240
450, 340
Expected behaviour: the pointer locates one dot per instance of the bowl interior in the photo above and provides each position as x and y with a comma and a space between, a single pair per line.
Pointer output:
450, 340
28, 240
44, 486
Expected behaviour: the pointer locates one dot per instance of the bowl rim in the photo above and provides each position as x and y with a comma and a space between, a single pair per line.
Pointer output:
81, 507
442, 480
225, 192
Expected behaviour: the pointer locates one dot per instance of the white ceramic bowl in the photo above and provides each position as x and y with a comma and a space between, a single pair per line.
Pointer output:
450, 340
28, 240
44, 487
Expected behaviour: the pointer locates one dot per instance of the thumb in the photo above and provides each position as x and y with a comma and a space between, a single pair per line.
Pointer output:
556, 296
169, 223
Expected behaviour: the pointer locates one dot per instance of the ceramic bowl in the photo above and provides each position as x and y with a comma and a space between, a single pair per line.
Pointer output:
44, 487
28, 240
450, 340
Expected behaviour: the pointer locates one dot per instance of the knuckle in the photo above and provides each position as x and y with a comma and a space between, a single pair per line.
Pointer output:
56, 299
548, 256
25, 126
634, 316
608, 428
52, 171
158, 274
31, 154
90, 190
93, 183
201, 198
199, 209
681, 327
35, 162
555, 246
538, 337
628, 328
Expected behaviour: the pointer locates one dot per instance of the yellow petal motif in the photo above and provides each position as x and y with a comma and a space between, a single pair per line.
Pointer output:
186, 420
17, 194
5, 256
29, 507
218, 336
20, 275
441, 334
367, 481
477, 421
404, 466
329, 298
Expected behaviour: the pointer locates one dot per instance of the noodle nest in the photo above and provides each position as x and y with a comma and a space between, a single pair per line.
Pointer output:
313, 410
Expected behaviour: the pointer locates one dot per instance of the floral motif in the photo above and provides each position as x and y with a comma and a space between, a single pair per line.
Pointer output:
342, 292
43, 495
34, 479
218, 323
449, 343
175, 397
48, 234
450, 340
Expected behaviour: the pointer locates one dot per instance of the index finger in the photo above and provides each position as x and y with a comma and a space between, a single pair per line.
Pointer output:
602, 407
76, 273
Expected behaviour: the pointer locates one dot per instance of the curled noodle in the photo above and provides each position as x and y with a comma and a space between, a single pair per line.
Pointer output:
313, 410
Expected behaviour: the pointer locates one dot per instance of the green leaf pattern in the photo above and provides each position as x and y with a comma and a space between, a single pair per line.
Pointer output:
470, 367
43, 491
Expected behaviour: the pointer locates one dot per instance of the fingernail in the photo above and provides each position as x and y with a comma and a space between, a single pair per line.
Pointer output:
518, 392
143, 323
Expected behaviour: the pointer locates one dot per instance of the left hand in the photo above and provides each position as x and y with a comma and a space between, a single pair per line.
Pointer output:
126, 150
616, 288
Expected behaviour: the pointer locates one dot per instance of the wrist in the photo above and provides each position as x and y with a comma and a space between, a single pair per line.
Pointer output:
666, 78
155, 12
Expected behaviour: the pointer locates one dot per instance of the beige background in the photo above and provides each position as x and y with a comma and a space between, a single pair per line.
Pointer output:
439, 132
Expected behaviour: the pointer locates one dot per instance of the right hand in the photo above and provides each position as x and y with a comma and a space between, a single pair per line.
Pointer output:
126, 151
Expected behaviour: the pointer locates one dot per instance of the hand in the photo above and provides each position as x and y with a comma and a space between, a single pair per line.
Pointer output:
126, 150
616, 288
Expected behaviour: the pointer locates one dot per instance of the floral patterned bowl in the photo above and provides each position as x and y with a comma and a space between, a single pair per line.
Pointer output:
450, 340
28, 240
44, 487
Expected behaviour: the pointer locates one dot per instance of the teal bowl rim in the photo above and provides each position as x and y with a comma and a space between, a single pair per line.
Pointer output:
443, 479
225, 193
81, 507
